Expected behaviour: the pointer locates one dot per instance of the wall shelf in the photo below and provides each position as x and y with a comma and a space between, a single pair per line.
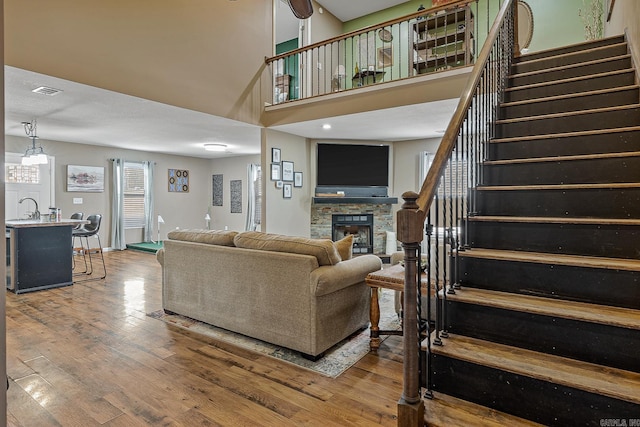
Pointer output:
443, 40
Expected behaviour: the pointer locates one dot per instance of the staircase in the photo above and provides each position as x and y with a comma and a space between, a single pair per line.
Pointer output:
546, 325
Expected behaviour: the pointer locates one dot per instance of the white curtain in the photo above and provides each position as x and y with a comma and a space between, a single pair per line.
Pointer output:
254, 199
148, 201
117, 206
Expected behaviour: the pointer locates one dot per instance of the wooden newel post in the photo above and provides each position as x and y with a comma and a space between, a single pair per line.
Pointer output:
410, 222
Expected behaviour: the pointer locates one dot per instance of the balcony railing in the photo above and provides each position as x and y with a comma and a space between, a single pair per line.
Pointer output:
427, 41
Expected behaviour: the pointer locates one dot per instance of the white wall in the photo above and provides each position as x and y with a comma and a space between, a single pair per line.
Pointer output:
231, 168
625, 17
406, 167
287, 216
183, 210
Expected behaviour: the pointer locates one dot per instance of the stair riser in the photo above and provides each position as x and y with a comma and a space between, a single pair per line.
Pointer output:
600, 203
590, 342
575, 145
618, 288
609, 99
578, 71
604, 240
592, 171
578, 86
572, 48
541, 401
576, 123
559, 61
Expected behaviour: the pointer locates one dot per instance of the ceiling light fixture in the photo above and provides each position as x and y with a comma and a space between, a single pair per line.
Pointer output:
46, 90
326, 126
215, 147
33, 155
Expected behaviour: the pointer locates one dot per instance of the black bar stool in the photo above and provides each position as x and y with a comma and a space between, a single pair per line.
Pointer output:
86, 231
74, 249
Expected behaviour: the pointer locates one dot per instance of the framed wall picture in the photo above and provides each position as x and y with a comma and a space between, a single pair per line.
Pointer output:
89, 179
275, 155
286, 191
385, 57
218, 191
276, 174
279, 184
178, 180
297, 179
287, 171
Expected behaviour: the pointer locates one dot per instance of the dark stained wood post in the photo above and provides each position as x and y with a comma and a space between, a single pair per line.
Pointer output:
410, 224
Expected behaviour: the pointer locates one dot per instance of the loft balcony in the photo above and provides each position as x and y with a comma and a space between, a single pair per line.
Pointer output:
422, 57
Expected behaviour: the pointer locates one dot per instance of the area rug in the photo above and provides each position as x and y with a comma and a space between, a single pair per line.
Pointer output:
335, 361
152, 247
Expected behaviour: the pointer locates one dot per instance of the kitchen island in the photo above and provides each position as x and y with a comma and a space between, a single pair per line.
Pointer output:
39, 254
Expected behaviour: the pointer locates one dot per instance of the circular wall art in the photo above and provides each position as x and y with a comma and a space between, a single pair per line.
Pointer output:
385, 35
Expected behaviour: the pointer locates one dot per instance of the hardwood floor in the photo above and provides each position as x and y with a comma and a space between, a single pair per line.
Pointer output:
88, 355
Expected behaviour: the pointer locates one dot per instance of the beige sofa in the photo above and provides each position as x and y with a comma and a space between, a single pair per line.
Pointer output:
290, 291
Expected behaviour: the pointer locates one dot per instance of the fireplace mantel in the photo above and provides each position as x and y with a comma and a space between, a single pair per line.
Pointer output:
360, 200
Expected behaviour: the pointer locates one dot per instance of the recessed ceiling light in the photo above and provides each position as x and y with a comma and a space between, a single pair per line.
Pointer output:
46, 90
215, 147
326, 126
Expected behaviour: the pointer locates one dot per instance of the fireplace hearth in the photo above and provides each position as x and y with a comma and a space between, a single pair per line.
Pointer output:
359, 226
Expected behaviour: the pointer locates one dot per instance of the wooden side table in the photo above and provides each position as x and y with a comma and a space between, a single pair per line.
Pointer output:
387, 278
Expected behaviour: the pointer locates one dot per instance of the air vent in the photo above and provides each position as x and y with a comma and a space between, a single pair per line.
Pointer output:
45, 90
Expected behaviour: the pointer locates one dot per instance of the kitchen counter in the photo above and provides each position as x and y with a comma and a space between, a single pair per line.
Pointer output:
39, 253
23, 223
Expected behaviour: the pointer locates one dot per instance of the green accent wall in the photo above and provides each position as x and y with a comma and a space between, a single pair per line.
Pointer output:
290, 65
556, 22
385, 15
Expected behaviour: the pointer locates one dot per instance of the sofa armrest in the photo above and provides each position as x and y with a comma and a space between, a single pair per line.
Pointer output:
331, 278
160, 256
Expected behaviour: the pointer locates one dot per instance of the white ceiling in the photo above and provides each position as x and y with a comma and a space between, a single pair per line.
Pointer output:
89, 115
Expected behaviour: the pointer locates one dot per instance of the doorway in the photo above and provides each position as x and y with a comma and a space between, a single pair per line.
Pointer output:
35, 181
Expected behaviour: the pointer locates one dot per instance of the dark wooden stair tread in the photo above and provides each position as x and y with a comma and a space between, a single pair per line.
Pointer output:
564, 135
569, 96
569, 80
598, 156
446, 411
574, 46
554, 220
568, 67
603, 380
568, 114
554, 259
593, 313
615, 185
524, 60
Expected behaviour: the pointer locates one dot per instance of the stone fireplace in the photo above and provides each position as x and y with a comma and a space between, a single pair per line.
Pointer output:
322, 216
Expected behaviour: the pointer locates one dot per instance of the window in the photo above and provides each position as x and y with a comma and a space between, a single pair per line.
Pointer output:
22, 174
134, 195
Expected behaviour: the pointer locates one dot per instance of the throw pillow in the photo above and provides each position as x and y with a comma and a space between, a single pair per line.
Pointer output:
211, 237
323, 249
345, 247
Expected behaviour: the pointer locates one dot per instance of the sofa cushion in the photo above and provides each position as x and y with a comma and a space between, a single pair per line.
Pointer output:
211, 237
323, 249
345, 247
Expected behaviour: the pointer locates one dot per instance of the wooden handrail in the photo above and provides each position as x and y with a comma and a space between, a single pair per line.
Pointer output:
448, 142
364, 30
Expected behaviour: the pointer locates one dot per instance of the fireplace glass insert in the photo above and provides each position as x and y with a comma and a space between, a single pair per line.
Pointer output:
360, 226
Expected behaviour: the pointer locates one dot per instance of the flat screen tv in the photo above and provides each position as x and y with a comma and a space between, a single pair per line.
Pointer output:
353, 165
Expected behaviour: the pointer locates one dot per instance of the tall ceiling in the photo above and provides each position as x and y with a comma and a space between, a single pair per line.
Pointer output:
89, 115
